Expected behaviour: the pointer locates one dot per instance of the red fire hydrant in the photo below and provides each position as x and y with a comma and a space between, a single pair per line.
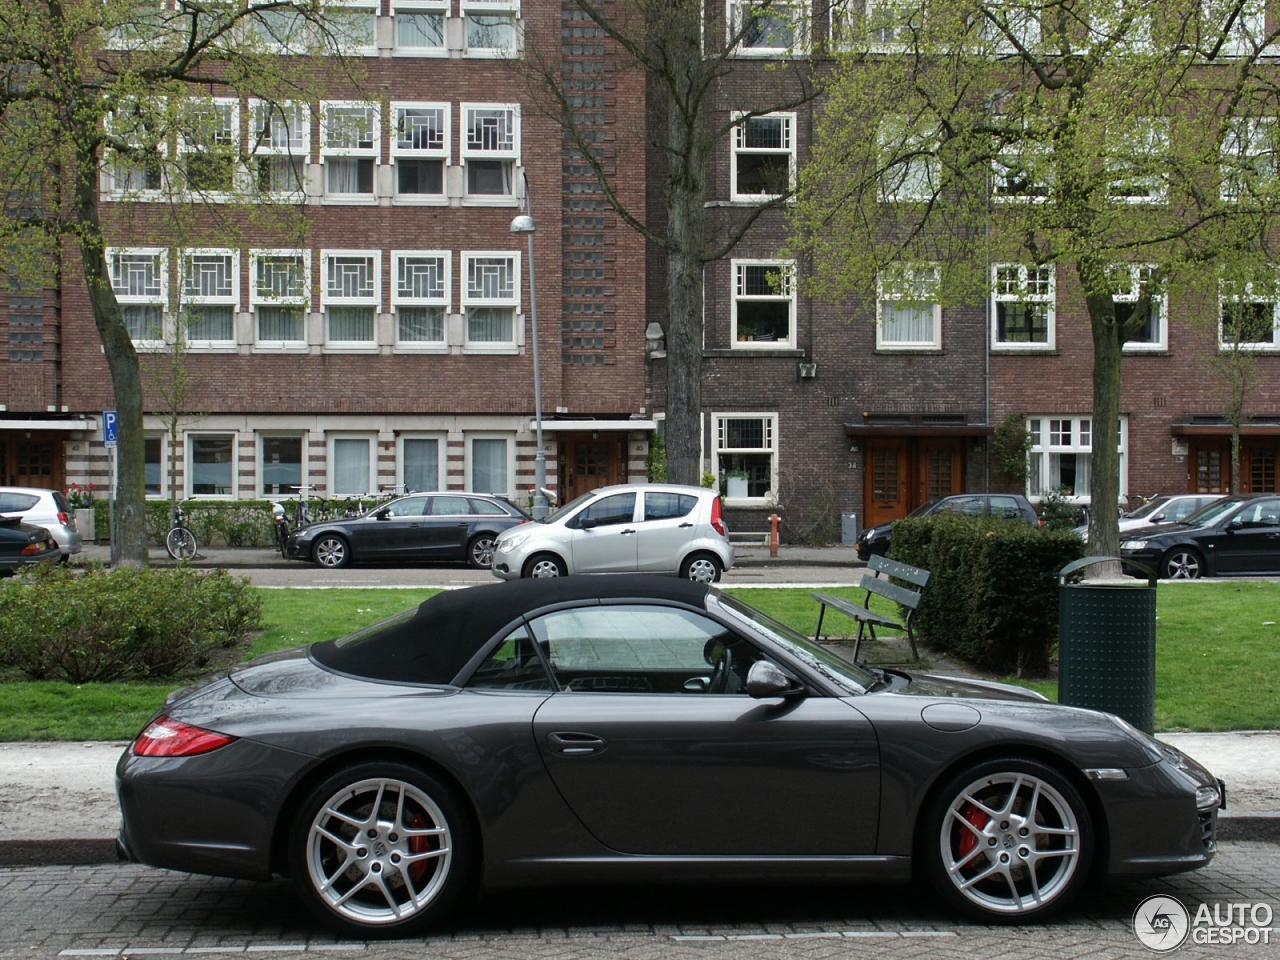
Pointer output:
774, 520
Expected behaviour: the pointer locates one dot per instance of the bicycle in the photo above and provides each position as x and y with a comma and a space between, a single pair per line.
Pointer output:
280, 516
180, 541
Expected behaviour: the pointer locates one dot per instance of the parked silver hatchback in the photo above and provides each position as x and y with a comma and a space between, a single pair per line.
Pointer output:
628, 528
44, 508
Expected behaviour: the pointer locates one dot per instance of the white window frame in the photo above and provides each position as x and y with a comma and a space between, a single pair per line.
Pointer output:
771, 448
160, 297
349, 9
109, 181
336, 294
891, 39
124, 35
189, 476
187, 297
917, 178
1057, 434
163, 493
1023, 291
293, 118
441, 439
259, 480
510, 438
469, 150
1130, 278
739, 148
442, 152
1248, 31
472, 298
1145, 138
1254, 291
1022, 21
736, 15
410, 7
259, 297
1103, 21
402, 295
787, 295
229, 109
469, 8
331, 440
910, 282
1249, 144
1027, 156
271, 44
333, 149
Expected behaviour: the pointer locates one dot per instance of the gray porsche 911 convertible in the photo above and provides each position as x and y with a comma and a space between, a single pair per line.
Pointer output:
635, 729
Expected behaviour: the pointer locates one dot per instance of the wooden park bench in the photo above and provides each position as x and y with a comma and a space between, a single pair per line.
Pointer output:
879, 582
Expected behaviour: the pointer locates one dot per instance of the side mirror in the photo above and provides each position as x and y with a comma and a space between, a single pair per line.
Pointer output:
586, 523
765, 680
382, 515
1158, 518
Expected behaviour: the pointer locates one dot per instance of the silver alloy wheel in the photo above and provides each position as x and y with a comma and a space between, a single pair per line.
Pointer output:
331, 552
545, 567
1182, 564
378, 851
1010, 843
480, 553
702, 569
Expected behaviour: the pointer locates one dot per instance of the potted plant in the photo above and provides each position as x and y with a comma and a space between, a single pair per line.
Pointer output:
735, 483
81, 500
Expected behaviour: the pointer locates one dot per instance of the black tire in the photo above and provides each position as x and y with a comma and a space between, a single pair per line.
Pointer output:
1182, 563
181, 543
358, 862
980, 822
480, 551
544, 565
331, 550
702, 567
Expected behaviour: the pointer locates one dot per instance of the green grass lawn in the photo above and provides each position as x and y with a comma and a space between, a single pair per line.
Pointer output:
1217, 662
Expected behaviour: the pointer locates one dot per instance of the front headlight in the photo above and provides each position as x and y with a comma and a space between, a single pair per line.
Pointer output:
1207, 798
1132, 545
510, 543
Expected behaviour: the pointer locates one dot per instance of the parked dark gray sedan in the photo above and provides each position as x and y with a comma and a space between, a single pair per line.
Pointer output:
423, 526
633, 729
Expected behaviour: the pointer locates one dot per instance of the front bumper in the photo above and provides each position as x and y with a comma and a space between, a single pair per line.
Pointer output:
1153, 823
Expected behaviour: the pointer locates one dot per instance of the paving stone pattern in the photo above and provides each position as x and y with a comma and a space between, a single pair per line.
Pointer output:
123, 911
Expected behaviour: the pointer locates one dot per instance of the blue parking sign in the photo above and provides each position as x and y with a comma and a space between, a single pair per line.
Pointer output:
110, 427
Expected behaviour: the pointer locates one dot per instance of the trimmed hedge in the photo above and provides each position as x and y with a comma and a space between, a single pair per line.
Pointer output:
91, 624
227, 523
993, 597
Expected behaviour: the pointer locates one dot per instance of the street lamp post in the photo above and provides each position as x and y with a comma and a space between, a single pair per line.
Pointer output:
524, 224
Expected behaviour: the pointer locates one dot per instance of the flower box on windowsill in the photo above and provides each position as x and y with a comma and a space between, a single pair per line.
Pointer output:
735, 487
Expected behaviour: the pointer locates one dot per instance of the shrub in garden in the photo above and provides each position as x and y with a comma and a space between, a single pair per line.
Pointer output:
92, 624
993, 597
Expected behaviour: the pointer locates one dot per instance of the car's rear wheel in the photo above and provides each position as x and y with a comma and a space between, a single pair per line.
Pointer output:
331, 550
545, 565
381, 850
702, 567
1007, 841
480, 551
1182, 563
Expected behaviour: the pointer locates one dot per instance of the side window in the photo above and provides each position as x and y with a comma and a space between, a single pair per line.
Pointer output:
667, 506
408, 507
514, 665
643, 649
450, 506
1005, 507
486, 508
619, 508
965, 506
17, 502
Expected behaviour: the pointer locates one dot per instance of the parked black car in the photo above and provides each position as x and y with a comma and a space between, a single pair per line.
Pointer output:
24, 543
421, 526
1234, 535
1010, 506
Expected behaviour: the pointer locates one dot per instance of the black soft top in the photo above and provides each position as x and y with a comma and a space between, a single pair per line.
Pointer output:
432, 645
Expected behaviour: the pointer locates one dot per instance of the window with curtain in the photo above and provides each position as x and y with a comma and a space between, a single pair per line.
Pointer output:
349, 149
210, 289
420, 150
491, 27
420, 296
910, 315
139, 277
212, 465
352, 457
489, 465
352, 284
490, 298
420, 463
491, 148
280, 291
419, 26
280, 142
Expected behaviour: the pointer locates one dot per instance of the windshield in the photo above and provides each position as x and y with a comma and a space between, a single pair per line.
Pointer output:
569, 507
1212, 513
925, 508
831, 665
1147, 509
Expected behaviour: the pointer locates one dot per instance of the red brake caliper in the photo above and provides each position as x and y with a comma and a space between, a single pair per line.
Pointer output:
969, 839
419, 845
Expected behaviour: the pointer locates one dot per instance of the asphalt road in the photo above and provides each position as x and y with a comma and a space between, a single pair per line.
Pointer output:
131, 911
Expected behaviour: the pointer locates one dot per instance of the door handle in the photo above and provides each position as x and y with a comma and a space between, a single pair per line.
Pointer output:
683, 525
626, 533
569, 744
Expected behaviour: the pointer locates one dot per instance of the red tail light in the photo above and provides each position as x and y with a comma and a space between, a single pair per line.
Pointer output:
717, 518
33, 549
64, 518
166, 737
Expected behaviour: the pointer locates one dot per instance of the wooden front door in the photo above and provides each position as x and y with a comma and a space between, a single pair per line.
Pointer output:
587, 462
34, 462
1211, 465
901, 473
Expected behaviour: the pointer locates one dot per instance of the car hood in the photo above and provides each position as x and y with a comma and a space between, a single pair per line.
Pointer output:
1160, 530
927, 685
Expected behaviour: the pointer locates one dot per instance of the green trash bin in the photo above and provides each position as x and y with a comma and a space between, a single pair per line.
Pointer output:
1107, 645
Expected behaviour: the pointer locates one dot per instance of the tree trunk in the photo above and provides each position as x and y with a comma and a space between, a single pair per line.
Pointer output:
1104, 472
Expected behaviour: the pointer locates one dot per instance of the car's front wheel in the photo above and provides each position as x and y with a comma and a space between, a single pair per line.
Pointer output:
1007, 841
545, 565
1182, 563
381, 850
702, 567
480, 551
332, 551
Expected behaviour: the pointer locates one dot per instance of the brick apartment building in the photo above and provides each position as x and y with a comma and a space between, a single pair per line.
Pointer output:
401, 356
